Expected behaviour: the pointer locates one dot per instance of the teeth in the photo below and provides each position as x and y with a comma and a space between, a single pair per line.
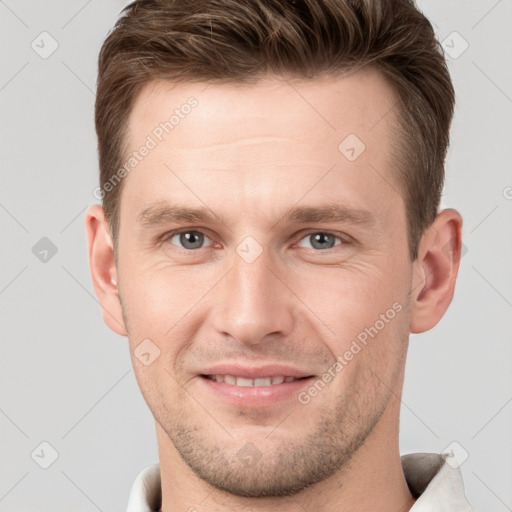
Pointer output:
246, 383
263, 382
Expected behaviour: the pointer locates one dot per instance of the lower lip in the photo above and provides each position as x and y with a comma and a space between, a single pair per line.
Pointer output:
255, 396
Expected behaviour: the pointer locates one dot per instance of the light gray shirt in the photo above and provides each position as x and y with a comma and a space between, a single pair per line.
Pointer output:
433, 479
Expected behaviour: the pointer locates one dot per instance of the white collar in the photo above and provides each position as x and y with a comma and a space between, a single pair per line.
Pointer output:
435, 480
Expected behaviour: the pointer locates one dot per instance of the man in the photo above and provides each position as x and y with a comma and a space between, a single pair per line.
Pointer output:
269, 237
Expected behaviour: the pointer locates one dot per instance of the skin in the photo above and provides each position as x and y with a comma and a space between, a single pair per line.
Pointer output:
249, 153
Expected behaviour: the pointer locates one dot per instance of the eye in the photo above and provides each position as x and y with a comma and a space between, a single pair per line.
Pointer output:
187, 239
192, 239
321, 240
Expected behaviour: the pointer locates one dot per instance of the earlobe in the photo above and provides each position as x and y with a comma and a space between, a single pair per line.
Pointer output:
103, 269
435, 270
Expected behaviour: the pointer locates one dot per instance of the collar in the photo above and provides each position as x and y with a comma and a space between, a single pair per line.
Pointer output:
434, 480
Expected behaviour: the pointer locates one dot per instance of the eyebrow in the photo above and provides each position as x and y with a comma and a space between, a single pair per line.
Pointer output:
162, 213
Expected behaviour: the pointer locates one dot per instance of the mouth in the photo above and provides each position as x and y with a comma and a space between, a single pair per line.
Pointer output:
253, 387
245, 382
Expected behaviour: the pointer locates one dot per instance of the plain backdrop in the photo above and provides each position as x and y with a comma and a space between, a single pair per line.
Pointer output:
69, 399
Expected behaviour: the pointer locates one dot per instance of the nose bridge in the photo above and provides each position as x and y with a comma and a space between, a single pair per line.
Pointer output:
254, 301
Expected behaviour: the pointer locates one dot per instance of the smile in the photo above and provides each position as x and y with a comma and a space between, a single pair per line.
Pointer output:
247, 383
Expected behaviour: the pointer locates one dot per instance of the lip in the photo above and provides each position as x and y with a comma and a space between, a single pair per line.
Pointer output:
255, 372
254, 396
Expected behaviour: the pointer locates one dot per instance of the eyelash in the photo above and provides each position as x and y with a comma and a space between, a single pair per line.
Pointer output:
167, 237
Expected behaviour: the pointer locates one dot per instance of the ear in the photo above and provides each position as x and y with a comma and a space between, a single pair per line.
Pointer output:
103, 269
435, 270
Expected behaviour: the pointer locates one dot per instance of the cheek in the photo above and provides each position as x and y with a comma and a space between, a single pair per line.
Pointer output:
166, 306
159, 387
157, 298
349, 298
365, 309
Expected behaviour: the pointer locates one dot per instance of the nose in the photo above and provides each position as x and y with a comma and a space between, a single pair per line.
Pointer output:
254, 302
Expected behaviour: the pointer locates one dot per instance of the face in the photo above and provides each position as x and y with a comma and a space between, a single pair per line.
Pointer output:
263, 265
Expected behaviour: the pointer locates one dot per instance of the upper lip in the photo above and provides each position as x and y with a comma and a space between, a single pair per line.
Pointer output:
255, 371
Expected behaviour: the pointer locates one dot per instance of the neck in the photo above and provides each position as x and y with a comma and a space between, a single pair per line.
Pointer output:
373, 479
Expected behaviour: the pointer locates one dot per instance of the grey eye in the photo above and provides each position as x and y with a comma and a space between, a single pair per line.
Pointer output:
189, 239
321, 240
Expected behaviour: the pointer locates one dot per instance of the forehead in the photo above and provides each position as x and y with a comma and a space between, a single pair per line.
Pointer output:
336, 103
284, 131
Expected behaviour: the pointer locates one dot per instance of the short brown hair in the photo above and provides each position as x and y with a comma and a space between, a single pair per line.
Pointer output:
241, 40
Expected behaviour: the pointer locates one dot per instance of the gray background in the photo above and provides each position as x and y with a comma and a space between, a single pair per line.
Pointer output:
67, 380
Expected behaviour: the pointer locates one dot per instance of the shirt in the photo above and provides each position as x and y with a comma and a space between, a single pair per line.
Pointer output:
435, 481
